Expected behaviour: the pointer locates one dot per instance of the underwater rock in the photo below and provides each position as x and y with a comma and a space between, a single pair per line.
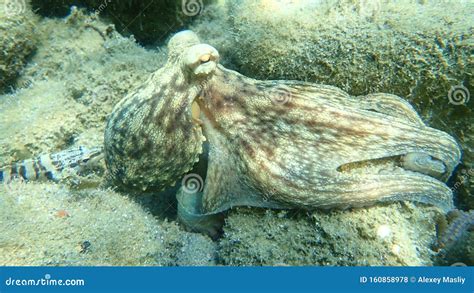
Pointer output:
456, 238
390, 235
460, 253
34, 121
18, 40
148, 22
47, 224
459, 223
405, 47
78, 73
196, 250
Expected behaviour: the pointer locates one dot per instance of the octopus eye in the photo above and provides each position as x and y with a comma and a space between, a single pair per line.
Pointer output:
202, 59
205, 58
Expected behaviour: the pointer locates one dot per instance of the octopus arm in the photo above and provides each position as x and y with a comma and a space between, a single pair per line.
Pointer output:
383, 103
292, 138
391, 105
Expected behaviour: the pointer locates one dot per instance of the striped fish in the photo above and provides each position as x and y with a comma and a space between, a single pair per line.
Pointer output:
50, 166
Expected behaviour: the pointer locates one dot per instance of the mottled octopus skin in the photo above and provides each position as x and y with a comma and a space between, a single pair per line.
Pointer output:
151, 139
278, 144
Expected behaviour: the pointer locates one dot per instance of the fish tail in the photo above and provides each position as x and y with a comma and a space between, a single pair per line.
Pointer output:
50, 166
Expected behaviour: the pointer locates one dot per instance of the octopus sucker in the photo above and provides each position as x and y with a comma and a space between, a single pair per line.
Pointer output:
274, 144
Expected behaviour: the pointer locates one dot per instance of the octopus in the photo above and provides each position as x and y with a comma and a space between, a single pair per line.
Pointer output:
273, 144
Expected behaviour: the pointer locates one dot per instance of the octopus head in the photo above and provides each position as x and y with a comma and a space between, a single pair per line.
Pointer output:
154, 135
197, 60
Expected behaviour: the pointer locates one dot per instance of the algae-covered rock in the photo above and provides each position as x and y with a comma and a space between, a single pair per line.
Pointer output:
404, 47
396, 234
196, 250
47, 224
17, 39
460, 254
456, 238
35, 120
81, 70
148, 21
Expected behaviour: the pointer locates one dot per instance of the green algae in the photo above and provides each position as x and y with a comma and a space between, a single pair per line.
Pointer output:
396, 234
17, 41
